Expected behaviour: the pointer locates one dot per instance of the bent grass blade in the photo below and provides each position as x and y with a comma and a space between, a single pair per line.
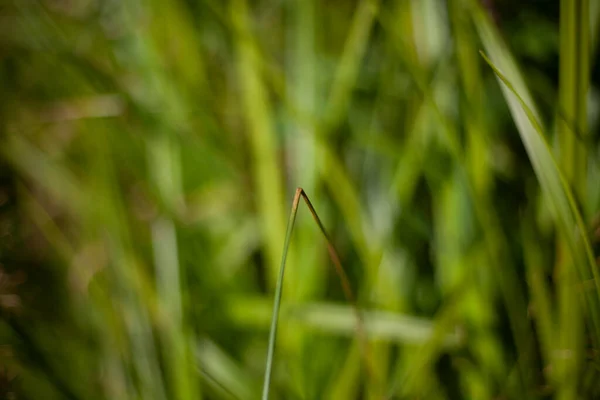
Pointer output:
360, 325
555, 185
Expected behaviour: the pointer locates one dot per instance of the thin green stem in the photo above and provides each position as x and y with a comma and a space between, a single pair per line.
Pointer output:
346, 287
278, 292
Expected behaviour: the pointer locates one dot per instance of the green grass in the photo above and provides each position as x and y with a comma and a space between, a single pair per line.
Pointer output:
150, 152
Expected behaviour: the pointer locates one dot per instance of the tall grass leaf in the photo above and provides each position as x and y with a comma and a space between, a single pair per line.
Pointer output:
573, 162
348, 66
551, 178
262, 137
494, 240
302, 83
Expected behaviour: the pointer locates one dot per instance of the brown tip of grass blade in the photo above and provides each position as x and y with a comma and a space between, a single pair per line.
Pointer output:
346, 287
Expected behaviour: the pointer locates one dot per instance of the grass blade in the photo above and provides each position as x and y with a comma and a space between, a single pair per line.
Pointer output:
553, 182
348, 67
360, 326
250, 312
257, 110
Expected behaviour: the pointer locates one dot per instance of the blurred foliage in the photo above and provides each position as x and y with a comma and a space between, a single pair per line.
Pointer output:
150, 151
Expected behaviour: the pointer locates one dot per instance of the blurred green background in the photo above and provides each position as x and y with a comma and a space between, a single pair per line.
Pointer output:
149, 155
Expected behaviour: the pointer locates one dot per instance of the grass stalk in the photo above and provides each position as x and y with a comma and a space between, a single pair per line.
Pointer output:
344, 280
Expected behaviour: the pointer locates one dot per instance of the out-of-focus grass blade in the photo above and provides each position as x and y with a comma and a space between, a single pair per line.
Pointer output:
347, 382
301, 90
494, 240
348, 200
169, 288
35, 164
550, 176
222, 373
349, 63
485, 343
267, 173
573, 162
336, 319
540, 292
411, 381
